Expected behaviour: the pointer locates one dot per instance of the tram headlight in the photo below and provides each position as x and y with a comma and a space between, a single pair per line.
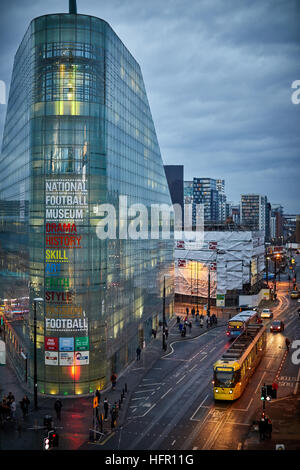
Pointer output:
216, 390
230, 391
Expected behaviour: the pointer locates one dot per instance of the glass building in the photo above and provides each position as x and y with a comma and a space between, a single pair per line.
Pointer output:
79, 133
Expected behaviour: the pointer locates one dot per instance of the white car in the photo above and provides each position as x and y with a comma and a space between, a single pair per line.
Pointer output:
266, 313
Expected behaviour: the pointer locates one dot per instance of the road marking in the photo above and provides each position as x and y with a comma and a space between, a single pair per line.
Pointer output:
180, 379
192, 417
150, 385
173, 442
260, 382
243, 409
203, 358
146, 391
142, 398
297, 383
147, 411
166, 393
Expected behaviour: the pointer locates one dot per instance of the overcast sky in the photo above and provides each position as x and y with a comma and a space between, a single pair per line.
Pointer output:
218, 74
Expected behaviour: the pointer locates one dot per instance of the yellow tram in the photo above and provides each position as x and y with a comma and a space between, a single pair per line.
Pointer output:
233, 371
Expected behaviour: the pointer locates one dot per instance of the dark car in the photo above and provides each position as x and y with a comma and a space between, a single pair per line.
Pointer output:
277, 326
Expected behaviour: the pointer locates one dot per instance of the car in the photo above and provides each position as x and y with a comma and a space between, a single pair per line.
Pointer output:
266, 313
295, 294
277, 326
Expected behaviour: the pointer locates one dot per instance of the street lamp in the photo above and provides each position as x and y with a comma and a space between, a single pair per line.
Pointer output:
164, 344
37, 299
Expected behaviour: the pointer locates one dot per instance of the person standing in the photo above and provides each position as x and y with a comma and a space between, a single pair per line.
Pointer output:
190, 327
13, 408
98, 395
138, 353
201, 322
167, 332
106, 407
113, 380
193, 311
58, 407
287, 343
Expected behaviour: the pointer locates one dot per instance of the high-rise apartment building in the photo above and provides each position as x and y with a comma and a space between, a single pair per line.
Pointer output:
253, 212
78, 134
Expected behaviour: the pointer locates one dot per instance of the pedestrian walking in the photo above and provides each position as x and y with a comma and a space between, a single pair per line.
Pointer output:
167, 332
24, 404
138, 353
262, 428
183, 333
201, 322
113, 380
197, 317
269, 428
13, 407
98, 395
287, 343
193, 311
187, 311
58, 407
180, 327
190, 326
113, 413
178, 319
106, 407
211, 321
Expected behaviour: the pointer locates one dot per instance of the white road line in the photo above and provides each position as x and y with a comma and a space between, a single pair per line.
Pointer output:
151, 385
243, 409
166, 393
260, 382
145, 391
213, 349
194, 367
192, 417
142, 398
173, 442
297, 383
203, 358
147, 411
180, 379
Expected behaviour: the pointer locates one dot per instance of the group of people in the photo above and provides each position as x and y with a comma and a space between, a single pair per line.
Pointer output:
8, 407
209, 320
114, 409
265, 427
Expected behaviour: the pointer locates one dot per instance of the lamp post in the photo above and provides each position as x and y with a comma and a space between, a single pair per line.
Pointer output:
208, 296
164, 344
38, 299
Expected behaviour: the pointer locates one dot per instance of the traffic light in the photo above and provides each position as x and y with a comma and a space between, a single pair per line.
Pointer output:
46, 443
271, 392
53, 437
263, 393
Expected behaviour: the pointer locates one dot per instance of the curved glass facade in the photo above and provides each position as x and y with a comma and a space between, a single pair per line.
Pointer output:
79, 133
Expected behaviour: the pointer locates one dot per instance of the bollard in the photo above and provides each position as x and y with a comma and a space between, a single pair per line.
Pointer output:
126, 388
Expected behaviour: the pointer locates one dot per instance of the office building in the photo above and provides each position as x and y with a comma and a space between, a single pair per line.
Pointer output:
78, 134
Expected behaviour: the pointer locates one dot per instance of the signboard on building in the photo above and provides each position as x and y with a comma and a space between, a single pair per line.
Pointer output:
51, 344
180, 244
220, 300
82, 343
212, 245
51, 358
82, 358
66, 358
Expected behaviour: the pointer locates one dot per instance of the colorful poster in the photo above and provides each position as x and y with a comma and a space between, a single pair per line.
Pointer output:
51, 344
82, 358
82, 343
51, 358
66, 358
66, 344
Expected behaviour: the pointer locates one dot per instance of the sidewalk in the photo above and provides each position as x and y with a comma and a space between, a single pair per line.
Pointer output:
285, 416
77, 413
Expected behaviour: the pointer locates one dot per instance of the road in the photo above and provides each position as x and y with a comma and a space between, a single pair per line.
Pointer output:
173, 408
